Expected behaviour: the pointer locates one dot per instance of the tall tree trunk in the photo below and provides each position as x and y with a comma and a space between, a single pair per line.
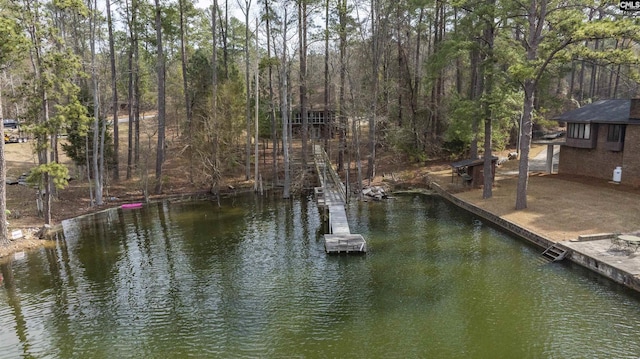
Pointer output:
525, 145
458, 61
114, 94
185, 87
225, 41
572, 80
248, 93
415, 93
611, 74
4, 235
489, 37
327, 121
132, 96
439, 86
386, 75
355, 131
43, 159
42, 140
272, 108
487, 189
617, 74
536, 19
284, 109
581, 78
617, 82
136, 108
160, 150
375, 44
215, 167
342, 25
87, 151
47, 180
302, 8
433, 97
593, 83
256, 123
475, 92
97, 176
537, 22
401, 84
595, 74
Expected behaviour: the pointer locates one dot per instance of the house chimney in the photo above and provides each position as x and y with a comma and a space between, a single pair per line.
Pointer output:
634, 109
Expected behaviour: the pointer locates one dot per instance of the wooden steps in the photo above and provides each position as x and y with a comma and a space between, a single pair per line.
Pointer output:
554, 253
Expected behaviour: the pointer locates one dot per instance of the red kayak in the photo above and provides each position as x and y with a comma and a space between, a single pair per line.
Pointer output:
131, 205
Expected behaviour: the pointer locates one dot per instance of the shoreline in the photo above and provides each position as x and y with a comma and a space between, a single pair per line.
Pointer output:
584, 252
39, 235
589, 258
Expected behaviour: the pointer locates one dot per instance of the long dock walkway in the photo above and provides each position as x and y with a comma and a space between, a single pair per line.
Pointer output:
331, 197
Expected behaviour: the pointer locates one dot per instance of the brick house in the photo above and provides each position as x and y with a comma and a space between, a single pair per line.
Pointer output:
600, 137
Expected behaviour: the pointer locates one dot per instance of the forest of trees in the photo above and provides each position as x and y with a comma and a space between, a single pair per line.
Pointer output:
428, 78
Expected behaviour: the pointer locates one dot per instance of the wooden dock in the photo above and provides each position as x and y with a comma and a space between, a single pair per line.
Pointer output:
331, 198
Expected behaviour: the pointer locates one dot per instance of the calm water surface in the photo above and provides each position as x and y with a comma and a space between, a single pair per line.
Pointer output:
252, 280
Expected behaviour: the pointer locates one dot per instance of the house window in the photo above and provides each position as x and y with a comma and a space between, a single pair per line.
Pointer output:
582, 135
615, 133
580, 131
615, 138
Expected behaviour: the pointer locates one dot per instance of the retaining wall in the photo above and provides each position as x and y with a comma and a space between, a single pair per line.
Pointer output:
503, 223
616, 274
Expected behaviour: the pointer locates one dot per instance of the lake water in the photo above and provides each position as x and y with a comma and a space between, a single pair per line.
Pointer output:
251, 280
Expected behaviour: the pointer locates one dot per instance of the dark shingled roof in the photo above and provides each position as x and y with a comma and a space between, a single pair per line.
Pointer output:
603, 111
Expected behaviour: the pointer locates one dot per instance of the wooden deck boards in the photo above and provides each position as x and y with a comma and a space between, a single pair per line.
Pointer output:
338, 222
331, 197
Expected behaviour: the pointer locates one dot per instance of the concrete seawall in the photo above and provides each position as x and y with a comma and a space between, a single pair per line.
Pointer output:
615, 274
584, 255
509, 226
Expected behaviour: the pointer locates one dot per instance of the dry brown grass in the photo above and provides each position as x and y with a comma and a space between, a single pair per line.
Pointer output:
559, 207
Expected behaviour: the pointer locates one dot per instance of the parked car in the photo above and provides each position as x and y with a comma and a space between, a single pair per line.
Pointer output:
10, 123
